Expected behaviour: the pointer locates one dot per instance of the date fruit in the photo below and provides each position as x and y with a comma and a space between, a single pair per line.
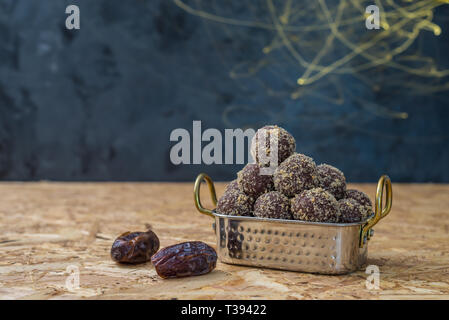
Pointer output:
185, 259
135, 247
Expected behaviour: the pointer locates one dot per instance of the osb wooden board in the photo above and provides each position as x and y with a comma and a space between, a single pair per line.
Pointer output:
47, 227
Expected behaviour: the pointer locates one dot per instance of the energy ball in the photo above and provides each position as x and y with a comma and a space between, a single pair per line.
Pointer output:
359, 196
235, 203
315, 205
332, 180
272, 134
273, 205
233, 185
296, 174
252, 183
352, 211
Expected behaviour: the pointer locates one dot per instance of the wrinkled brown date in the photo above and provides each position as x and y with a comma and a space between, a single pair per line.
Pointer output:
185, 259
135, 247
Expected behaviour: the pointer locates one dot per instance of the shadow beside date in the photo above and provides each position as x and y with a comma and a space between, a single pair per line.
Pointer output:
135, 247
185, 259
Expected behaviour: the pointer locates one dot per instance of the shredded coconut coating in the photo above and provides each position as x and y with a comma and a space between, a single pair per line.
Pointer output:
233, 185
252, 183
360, 197
315, 205
272, 205
296, 174
285, 142
332, 180
352, 211
235, 203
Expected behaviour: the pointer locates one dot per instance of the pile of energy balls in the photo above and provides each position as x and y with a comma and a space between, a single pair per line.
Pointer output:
298, 189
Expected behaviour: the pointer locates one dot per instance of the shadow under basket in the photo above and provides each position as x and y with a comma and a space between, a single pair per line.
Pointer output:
325, 248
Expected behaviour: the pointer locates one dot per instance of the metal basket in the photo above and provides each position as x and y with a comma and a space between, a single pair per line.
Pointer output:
326, 248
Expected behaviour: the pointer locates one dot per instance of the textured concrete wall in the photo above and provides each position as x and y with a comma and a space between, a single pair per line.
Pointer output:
99, 103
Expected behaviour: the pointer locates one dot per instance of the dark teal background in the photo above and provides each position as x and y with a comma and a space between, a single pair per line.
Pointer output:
99, 103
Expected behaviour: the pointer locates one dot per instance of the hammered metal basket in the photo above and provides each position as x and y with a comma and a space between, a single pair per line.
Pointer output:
326, 248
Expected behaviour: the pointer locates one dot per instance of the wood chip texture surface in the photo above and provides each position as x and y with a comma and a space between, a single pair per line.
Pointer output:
50, 231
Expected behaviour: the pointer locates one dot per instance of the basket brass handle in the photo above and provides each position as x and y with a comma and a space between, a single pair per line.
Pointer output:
196, 193
379, 212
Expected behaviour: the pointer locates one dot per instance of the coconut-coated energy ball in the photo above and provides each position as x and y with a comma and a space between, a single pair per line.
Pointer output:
359, 196
252, 183
332, 180
296, 174
235, 203
285, 142
315, 205
233, 185
352, 211
273, 205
